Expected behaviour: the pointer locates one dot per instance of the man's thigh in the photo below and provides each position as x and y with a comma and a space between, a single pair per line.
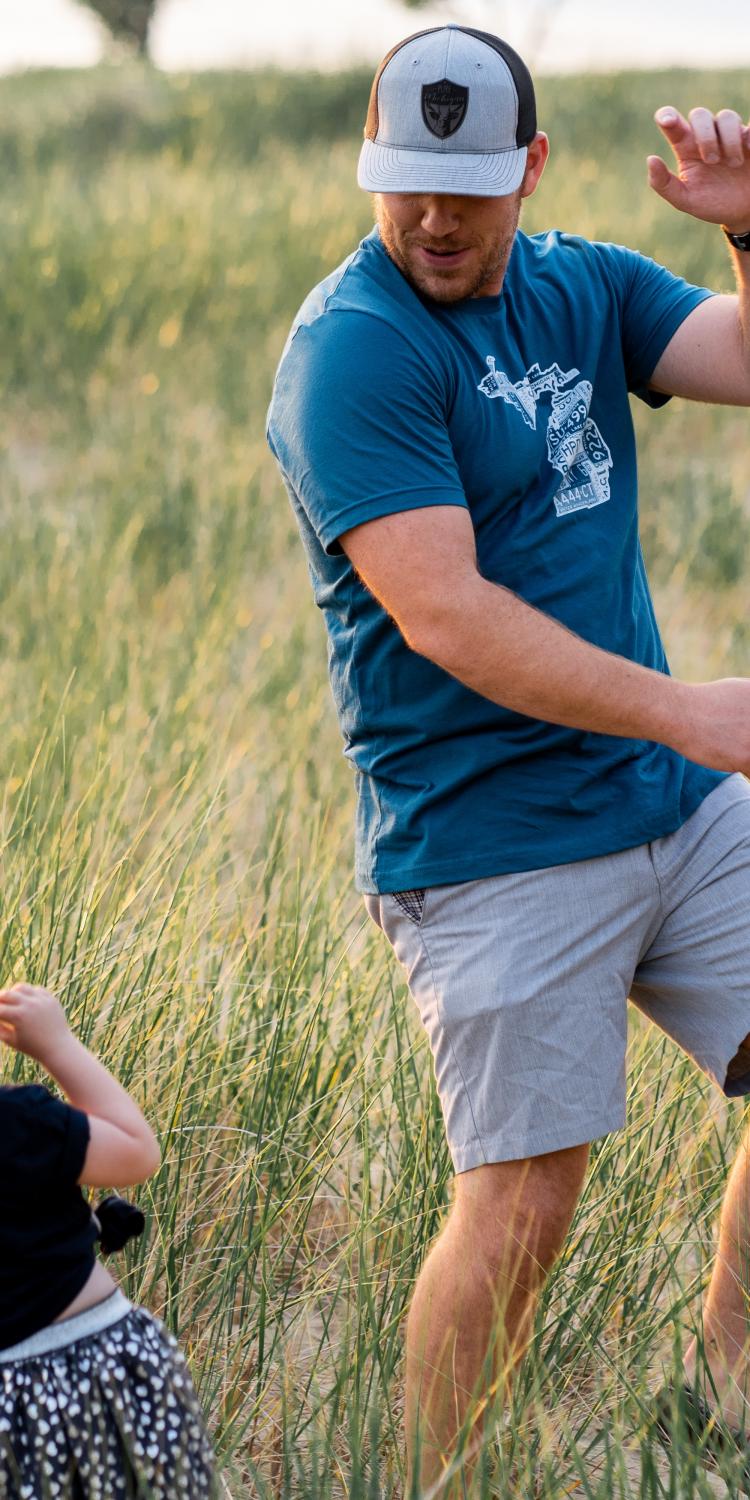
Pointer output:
521, 982
694, 979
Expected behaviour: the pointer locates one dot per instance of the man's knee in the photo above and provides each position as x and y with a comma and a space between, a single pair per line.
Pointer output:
521, 1211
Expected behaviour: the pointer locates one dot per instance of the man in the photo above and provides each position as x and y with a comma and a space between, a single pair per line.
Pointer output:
545, 824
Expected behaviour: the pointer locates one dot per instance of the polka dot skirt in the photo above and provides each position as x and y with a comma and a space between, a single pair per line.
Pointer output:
113, 1416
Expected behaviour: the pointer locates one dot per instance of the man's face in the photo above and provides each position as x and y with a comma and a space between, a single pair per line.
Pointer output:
449, 247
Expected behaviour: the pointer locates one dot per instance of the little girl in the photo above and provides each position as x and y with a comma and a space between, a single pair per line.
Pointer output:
96, 1402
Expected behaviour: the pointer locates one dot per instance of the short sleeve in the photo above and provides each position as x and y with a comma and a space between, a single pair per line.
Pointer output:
44, 1140
653, 304
358, 425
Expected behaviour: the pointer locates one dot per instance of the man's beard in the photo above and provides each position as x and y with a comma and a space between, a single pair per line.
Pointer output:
492, 265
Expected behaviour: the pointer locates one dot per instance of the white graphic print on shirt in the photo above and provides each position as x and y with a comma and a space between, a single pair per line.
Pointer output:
575, 446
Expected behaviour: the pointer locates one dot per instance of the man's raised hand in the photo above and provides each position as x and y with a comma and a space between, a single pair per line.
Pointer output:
712, 177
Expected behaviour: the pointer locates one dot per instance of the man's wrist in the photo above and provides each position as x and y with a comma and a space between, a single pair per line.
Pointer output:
673, 712
740, 238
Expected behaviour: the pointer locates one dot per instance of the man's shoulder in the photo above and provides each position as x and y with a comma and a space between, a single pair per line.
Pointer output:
360, 325
598, 273
338, 289
561, 252
365, 285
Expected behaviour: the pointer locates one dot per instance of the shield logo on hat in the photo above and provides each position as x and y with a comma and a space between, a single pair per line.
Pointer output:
444, 106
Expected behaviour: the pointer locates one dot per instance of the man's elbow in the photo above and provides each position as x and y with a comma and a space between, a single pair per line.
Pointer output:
437, 634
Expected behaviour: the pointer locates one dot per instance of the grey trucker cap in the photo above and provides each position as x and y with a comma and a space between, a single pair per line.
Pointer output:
452, 110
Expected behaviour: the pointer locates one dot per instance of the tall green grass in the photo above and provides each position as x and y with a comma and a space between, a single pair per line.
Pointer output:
175, 813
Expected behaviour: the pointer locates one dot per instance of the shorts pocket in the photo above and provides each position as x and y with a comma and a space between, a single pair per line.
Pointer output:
411, 904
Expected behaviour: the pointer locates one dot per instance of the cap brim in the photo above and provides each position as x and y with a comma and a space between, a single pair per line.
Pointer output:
388, 169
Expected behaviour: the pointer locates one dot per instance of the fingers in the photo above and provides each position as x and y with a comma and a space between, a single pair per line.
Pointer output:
713, 139
665, 183
23, 991
7, 1027
706, 136
658, 173
16, 994
677, 130
731, 133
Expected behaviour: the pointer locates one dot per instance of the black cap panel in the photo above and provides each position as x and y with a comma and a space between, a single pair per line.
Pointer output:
527, 126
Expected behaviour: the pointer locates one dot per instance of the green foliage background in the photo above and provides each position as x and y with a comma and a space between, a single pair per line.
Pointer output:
175, 813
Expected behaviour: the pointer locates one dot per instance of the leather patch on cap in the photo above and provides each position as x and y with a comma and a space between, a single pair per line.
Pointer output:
444, 105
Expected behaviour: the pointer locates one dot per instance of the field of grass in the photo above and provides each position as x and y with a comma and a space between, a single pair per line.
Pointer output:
175, 813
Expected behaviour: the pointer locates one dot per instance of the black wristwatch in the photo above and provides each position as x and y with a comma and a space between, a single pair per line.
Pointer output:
740, 241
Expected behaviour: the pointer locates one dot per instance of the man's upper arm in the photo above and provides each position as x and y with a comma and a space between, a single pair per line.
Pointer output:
416, 564
704, 358
678, 339
358, 425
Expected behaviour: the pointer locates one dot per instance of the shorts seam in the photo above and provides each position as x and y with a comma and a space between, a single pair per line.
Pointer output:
441, 1017
662, 914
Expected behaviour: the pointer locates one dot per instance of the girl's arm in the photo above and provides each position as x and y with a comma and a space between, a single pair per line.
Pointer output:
122, 1146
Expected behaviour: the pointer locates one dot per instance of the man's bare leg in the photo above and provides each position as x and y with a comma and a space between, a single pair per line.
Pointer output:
726, 1304
476, 1293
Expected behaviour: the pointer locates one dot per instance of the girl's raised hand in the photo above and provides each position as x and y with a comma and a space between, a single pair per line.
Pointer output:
33, 1021
122, 1146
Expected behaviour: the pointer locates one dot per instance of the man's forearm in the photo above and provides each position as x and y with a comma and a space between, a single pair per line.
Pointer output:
503, 648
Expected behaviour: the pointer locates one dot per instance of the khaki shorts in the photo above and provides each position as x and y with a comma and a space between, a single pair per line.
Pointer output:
522, 980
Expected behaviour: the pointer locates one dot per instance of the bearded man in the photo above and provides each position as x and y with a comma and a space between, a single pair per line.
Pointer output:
547, 822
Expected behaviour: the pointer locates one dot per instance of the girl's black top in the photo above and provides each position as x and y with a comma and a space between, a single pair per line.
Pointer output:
47, 1230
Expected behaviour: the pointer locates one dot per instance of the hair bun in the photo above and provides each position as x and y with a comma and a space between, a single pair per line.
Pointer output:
118, 1221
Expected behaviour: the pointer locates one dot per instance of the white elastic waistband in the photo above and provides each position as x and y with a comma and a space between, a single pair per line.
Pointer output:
59, 1335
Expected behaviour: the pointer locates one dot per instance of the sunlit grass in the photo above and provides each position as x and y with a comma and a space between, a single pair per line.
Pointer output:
175, 812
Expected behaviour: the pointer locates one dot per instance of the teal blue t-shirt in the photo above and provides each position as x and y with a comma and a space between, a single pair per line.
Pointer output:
515, 407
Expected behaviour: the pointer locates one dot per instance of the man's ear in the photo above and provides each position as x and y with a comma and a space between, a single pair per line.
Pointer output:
536, 161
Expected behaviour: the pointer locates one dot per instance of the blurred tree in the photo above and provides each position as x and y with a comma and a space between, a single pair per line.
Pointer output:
128, 20
536, 17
